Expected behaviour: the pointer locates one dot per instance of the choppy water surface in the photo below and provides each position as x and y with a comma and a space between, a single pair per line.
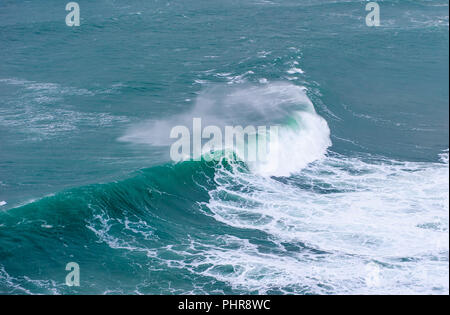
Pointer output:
355, 199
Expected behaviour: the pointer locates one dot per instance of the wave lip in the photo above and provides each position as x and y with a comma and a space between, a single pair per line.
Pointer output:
303, 136
296, 146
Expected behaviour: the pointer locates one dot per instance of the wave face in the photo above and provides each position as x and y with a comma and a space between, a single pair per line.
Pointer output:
340, 226
352, 199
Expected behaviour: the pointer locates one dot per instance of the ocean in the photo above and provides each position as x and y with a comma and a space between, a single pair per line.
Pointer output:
356, 200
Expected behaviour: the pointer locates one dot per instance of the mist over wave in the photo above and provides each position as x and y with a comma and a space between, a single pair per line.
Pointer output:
303, 136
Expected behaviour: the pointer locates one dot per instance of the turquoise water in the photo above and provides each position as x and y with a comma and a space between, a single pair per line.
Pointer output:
357, 204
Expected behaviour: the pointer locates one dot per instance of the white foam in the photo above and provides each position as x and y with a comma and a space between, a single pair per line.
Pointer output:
391, 215
295, 70
2, 203
16, 285
444, 156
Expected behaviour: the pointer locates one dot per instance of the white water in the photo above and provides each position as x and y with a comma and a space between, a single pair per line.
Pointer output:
383, 227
